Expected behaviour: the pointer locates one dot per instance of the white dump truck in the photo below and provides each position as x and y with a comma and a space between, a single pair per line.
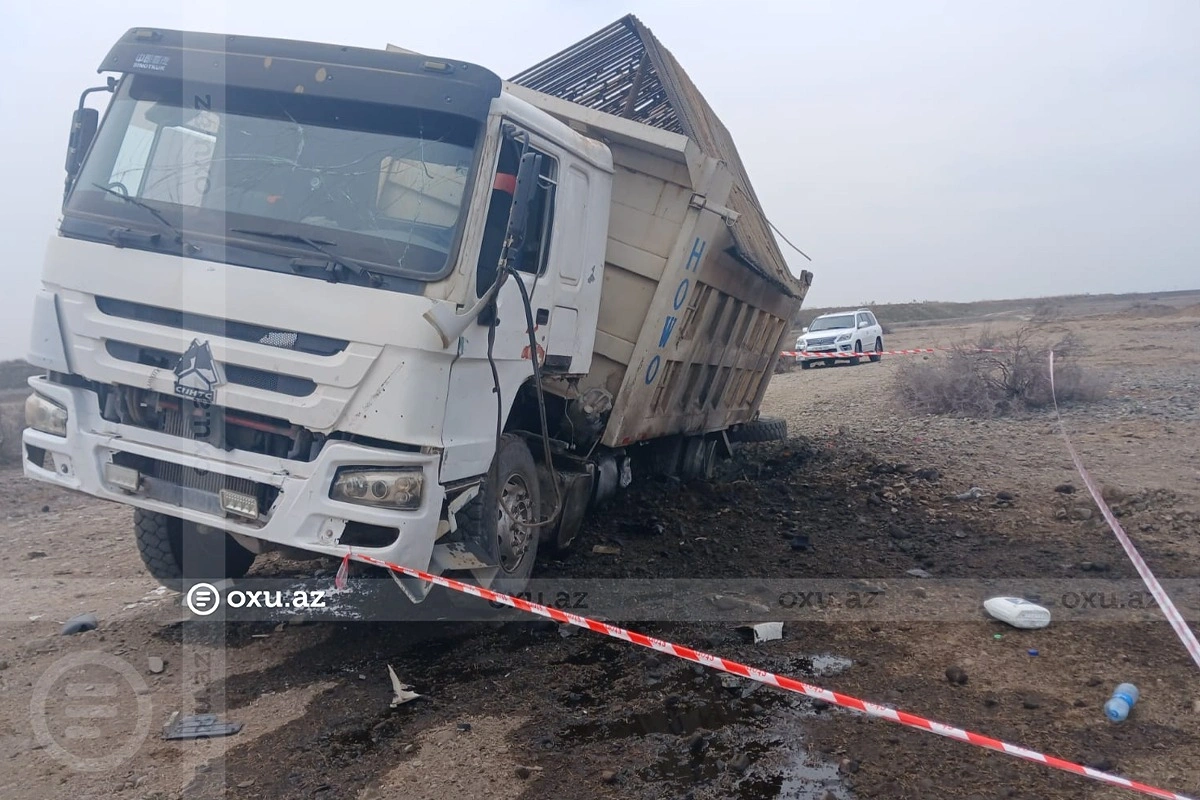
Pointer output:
321, 299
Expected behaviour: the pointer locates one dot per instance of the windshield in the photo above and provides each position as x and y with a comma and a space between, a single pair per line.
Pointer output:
831, 323
379, 184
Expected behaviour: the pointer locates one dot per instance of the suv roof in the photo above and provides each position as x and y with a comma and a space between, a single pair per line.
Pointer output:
840, 313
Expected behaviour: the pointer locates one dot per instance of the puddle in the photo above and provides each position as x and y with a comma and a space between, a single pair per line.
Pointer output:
690, 728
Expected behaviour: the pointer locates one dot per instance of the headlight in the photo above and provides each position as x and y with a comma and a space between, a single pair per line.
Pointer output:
399, 488
845, 337
45, 415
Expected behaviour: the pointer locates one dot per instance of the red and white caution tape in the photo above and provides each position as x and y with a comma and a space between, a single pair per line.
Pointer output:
1156, 590
850, 354
843, 354
769, 678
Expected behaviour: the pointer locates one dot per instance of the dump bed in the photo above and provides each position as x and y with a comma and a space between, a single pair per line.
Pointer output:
697, 298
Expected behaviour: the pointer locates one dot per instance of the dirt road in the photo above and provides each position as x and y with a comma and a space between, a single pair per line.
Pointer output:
821, 532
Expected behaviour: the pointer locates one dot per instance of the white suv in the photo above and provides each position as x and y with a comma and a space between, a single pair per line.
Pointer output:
841, 335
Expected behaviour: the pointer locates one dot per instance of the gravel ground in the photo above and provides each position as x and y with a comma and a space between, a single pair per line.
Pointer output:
841, 515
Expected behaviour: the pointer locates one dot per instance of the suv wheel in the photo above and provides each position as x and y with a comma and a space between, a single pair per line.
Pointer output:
878, 347
857, 354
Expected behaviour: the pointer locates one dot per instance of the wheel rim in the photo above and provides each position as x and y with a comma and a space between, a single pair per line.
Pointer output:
514, 513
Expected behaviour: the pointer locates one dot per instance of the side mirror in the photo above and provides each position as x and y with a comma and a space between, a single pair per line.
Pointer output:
526, 189
804, 330
83, 129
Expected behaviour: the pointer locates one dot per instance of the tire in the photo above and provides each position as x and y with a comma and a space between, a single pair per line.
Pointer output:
763, 429
512, 468
878, 346
177, 554
806, 365
854, 362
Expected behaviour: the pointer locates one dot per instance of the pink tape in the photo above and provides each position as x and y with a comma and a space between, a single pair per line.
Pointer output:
1164, 601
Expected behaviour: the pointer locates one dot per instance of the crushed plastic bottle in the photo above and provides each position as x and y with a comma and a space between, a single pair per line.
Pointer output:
1123, 698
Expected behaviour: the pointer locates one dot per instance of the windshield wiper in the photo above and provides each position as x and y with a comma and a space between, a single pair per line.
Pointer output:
119, 233
319, 245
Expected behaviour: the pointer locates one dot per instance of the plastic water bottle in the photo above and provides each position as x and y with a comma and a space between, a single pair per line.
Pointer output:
1122, 700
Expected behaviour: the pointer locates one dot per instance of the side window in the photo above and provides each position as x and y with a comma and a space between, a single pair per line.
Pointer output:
862, 320
871, 319
532, 256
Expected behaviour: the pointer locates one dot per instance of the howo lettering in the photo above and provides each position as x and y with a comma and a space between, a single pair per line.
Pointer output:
322, 299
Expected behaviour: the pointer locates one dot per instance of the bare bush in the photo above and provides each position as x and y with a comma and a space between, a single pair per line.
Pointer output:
998, 375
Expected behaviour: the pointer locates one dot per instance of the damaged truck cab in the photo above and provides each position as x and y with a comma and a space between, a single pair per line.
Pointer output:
322, 299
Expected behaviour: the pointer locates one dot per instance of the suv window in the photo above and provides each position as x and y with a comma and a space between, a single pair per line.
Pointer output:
864, 319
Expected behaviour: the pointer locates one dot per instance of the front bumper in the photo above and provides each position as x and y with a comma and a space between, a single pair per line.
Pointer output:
302, 514
825, 352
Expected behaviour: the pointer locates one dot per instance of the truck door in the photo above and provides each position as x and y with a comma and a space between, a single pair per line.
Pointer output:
551, 276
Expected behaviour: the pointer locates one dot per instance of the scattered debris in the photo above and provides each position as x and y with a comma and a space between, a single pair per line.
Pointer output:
974, 493
156, 664
606, 550
848, 766
918, 573
608, 776
403, 693
246, 784
1018, 612
957, 676
1031, 703
1032, 652
32, 554
79, 624
928, 474
198, 726
523, 772
767, 631
1005, 497
464, 727
801, 543
740, 763
1082, 513
1065, 488
410, 748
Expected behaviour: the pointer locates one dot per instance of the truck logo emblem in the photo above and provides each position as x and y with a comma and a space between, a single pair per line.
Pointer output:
197, 374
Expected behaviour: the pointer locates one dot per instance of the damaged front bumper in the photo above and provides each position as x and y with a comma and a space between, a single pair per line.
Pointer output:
195, 481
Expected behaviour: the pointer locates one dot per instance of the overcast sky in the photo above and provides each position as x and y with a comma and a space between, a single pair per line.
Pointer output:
916, 150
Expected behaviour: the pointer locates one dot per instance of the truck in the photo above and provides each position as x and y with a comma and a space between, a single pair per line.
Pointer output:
323, 300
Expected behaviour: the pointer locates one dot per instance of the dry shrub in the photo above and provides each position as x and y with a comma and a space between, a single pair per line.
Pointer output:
977, 384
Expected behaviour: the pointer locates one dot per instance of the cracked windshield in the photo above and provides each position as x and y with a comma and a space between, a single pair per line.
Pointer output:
385, 186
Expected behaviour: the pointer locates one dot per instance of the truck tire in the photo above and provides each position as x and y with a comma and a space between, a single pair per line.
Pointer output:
512, 479
176, 564
763, 429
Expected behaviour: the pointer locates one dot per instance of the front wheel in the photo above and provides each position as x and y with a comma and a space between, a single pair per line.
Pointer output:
857, 354
505, 512
878, 351
180, 553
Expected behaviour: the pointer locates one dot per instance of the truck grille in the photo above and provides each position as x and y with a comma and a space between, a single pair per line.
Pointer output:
234, 373
824, 340
215, 326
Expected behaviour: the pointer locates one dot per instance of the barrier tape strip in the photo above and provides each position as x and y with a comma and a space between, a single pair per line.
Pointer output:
842, 354
1156, 590
768, 678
